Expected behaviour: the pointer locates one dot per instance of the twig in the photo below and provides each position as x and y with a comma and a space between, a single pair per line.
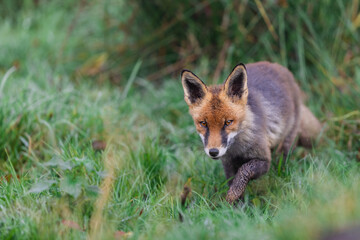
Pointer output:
221, 61
97, 221
223, 53
172, 68
184, 195
71, 29
266, 19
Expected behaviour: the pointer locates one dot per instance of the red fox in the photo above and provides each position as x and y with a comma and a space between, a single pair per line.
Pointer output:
257, 109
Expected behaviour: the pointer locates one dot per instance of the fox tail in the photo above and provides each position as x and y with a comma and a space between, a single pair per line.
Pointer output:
310, 127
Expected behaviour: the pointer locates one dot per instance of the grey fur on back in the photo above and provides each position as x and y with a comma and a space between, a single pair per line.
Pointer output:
274, 100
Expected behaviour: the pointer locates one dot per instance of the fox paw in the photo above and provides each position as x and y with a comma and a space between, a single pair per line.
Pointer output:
233, 197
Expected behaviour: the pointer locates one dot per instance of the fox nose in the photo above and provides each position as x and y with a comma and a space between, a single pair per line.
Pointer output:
214, 152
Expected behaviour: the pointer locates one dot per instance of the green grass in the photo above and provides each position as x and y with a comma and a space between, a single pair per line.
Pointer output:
51, 112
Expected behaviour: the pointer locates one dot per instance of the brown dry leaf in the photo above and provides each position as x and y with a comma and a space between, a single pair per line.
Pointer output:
122, 235
7, 178
16, 64
16, 122
184, 195
71, 224
98, 145
186, 192
356, 21
94, 65
348, 56
283, 3
340, 83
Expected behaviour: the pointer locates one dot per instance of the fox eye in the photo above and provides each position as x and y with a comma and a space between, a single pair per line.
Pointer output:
203, 124
228, 122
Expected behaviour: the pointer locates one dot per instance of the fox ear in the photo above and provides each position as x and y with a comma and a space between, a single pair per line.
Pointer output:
235, 85
194, 88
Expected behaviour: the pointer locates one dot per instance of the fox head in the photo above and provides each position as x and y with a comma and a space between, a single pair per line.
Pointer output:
218, 110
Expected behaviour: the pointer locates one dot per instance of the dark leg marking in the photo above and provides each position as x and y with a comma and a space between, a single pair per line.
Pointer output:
230, 171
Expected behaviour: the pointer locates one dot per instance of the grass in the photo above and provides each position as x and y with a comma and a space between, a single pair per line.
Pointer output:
55, 185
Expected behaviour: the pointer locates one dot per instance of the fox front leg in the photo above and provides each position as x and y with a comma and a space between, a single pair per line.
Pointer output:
248, 171
230, 171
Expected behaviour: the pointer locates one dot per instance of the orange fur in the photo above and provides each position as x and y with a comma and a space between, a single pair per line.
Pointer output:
215, 110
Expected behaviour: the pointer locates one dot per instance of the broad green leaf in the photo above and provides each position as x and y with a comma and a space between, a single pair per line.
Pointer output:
41, 186
71, 186
58, 162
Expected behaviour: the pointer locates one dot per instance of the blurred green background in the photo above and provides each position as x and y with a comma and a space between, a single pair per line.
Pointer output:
104, 39
96, 141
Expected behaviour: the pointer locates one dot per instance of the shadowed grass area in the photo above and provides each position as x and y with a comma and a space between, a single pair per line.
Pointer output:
55, 185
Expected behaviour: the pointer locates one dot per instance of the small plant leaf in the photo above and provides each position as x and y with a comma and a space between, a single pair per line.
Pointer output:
70, 186
41, 186
256, 202
102, 174
58, 162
